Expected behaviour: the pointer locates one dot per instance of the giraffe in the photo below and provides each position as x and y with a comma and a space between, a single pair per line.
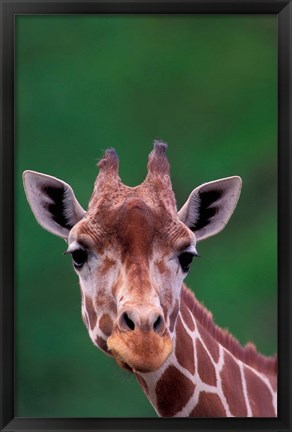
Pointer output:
132, 250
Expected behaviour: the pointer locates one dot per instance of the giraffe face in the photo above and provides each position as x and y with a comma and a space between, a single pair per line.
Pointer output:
131, 250
131, 265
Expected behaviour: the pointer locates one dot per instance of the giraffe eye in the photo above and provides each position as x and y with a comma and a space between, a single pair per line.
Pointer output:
185, 260
79, 257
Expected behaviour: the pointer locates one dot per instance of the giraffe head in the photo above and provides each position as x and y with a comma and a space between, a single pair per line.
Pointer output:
131, 250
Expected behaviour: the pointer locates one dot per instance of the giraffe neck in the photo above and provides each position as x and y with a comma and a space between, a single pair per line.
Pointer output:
209, 374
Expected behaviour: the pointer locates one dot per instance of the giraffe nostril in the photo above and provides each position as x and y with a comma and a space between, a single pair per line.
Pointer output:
158, 325
126, 323
131, 319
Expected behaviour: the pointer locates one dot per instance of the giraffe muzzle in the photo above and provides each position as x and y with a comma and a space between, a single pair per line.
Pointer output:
140, 350
140, 339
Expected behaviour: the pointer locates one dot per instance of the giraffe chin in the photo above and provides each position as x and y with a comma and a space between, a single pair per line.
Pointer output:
139, 351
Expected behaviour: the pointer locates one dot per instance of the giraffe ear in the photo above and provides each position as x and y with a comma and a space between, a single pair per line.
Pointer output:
52, 202
210, 206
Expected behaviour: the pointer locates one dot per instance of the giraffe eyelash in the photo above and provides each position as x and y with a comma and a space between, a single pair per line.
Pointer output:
78, 253
185, 259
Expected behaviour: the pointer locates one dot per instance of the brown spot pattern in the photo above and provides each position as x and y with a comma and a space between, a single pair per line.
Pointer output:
273, 381
173, 315
117, 285
142, 383
106, 324
161, 266
90, 312
206, 369
105, 301
165, 310
211, 344
259, 395
187, 316
102, 344
247, 354
184, 349
209, 405
173, 391
101, 300
112, 306
232, 386
107, 265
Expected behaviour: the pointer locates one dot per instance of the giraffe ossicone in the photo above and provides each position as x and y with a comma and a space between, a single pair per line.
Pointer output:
131, 250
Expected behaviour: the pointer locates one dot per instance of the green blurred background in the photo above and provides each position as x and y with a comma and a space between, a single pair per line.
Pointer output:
207, 85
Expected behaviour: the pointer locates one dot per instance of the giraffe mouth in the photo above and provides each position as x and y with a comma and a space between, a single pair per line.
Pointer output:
121, 363
140, 351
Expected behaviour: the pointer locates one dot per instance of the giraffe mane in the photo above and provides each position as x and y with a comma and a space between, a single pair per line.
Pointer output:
247, 354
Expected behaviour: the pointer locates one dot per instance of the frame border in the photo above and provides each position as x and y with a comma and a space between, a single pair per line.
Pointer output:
8, 10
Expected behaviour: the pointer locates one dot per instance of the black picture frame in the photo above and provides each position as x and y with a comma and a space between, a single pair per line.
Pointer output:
8, 11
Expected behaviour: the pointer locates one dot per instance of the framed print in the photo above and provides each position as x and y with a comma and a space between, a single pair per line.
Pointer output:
135, 131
